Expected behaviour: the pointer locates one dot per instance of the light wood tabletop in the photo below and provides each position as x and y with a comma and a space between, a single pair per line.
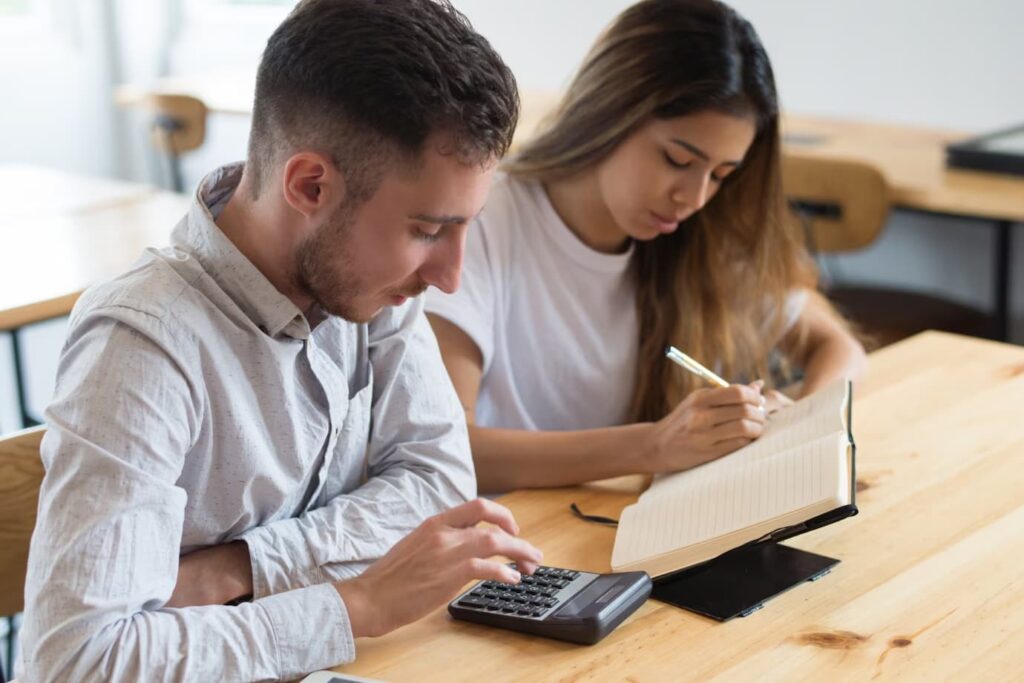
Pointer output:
29, 191
89, 230
930, 586
912, 158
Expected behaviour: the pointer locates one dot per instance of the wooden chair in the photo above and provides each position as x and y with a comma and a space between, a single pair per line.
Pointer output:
21, 474
844, 206
177, 125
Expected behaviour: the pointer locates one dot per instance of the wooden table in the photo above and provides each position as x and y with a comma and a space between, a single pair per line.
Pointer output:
914, 163
63, 232
930, 587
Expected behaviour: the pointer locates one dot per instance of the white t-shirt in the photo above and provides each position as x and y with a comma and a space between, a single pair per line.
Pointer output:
555, 320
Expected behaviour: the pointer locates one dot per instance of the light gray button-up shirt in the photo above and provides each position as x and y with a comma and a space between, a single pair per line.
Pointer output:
195, 406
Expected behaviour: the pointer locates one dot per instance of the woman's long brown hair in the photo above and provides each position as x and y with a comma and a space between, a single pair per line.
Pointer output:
717, 287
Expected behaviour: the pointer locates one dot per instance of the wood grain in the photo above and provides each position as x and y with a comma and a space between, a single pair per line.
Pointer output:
930, 581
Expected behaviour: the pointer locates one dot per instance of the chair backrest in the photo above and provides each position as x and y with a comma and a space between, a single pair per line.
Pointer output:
846, 203
178, 122
21, 473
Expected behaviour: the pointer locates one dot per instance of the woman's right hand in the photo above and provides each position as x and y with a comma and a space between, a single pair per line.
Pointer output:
708, 424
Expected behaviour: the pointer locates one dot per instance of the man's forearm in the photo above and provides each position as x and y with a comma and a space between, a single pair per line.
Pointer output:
213, 576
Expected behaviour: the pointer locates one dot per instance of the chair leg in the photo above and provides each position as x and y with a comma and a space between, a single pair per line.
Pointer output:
177, 180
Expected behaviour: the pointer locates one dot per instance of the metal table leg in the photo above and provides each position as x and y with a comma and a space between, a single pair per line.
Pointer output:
19, 381
1002, 281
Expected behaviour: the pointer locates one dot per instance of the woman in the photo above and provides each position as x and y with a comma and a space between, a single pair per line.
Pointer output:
648, 213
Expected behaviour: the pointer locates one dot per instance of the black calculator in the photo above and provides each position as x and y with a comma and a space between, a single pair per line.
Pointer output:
580, 607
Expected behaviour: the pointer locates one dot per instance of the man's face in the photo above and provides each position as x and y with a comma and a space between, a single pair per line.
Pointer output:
406, 237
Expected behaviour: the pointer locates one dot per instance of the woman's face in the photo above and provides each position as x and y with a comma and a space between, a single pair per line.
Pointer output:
670, 168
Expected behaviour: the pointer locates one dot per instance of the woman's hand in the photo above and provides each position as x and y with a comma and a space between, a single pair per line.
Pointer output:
775, 400
708, 424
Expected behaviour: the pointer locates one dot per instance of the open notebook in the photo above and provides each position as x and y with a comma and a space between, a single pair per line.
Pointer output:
800, 469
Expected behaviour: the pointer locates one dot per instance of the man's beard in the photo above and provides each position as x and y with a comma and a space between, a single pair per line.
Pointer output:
325, 270
331, 288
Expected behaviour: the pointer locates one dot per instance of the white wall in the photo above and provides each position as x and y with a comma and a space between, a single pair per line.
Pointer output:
947, 63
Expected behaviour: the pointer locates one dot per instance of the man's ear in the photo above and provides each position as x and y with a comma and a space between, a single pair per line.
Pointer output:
311, 184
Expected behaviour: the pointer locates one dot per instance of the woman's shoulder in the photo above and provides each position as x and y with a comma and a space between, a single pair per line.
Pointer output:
513, 202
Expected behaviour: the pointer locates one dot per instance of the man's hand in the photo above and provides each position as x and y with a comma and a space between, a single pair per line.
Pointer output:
429, 566
213, 576
708, 424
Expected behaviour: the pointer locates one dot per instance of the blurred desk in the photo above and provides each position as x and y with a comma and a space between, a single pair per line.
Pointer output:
32, 191
913, 160
929, 587
911, 157
63, 232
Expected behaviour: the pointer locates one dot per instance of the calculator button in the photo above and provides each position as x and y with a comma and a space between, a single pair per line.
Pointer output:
573, 575
470, 601
539, 611
526, 580
525, 611
509, 609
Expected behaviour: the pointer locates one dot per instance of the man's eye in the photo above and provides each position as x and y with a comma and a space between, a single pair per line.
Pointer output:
428, 236
676, 164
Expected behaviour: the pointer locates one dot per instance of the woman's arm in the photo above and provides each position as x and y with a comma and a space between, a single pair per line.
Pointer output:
707, 425
827, 349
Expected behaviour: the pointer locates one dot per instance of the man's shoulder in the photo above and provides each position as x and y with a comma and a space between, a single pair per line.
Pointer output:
155, 290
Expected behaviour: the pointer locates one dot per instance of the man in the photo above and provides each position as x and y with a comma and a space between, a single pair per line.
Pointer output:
260, 409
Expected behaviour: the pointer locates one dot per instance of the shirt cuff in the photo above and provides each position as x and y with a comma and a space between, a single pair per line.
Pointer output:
279, 563
312, 630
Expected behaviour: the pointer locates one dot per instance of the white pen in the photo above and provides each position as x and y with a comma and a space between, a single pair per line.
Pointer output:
693, 366
680, 358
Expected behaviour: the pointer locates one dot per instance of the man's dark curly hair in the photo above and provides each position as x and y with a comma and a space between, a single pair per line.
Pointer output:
369, 81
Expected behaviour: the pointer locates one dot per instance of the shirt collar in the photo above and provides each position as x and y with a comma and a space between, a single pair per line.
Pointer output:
236, 275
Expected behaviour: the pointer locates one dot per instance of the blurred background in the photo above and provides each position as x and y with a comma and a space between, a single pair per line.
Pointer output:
73, 73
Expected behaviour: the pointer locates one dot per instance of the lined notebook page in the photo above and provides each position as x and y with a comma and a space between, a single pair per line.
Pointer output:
799, 461
806, 420
736, 495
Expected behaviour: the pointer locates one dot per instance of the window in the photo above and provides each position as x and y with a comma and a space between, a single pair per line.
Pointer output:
10, 8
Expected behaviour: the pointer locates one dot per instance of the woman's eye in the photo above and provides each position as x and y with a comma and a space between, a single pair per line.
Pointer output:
676, 164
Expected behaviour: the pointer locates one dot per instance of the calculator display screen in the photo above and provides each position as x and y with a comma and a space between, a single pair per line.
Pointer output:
585, 597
